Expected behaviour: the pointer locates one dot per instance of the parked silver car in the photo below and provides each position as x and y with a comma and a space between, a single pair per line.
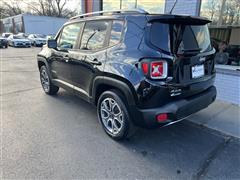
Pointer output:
37, 39
18, 41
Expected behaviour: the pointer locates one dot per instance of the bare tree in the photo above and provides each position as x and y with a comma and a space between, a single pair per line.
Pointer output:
10, 8
51, 8
57, 8
210, 9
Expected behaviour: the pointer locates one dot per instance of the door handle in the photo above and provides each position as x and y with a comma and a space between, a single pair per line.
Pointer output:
66, 58
96, 62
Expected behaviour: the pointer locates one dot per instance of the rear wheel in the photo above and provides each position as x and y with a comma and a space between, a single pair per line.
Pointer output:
47, 85
114, 116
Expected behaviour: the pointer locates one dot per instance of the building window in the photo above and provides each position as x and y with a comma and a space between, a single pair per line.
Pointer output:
111, 5
152, 6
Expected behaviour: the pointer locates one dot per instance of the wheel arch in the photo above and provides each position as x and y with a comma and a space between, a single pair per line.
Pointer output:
42, 61
102, 84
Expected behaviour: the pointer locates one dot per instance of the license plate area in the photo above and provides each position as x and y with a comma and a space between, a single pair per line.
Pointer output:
197, 71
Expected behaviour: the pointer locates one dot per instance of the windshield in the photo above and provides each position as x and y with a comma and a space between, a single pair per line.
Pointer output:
179, 39
18, 37
39, 36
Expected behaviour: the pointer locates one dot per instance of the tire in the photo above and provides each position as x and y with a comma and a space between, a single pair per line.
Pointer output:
118, 124
47, 85
6, 46
221, 58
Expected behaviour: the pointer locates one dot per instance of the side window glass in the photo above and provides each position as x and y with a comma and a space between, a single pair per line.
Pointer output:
94, 35
69, 35
116, 32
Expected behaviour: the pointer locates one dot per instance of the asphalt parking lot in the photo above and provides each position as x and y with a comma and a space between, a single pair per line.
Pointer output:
59, 137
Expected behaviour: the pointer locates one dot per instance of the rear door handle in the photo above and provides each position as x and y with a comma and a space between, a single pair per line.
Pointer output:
96, 62
66, 58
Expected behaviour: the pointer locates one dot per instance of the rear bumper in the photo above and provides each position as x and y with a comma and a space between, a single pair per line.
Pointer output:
176, 110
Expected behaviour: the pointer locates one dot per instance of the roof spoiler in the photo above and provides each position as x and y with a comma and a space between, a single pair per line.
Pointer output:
178, 19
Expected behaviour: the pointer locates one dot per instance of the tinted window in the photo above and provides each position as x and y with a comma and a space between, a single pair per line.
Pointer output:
116, 32
94, 35
180, 38
160, 36
69, 36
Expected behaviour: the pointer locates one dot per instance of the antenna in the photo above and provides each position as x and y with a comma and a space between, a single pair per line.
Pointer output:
173, 6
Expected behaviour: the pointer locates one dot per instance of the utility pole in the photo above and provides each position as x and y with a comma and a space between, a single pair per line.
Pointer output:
120, 4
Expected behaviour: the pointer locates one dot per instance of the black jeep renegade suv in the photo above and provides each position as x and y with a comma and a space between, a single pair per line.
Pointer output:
139, 69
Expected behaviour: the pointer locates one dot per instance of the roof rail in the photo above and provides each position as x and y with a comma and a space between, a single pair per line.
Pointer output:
120, 11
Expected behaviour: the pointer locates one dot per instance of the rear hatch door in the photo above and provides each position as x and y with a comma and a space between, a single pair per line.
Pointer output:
187, 40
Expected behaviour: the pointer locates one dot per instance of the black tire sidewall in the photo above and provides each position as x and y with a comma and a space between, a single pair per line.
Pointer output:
41, 69
126, 120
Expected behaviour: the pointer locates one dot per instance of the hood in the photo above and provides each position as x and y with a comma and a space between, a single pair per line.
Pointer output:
20, 40
40, 39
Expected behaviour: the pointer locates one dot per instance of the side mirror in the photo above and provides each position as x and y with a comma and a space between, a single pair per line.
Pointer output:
52, 43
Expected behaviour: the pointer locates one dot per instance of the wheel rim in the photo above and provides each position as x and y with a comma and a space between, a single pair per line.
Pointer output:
45, 80
111, 115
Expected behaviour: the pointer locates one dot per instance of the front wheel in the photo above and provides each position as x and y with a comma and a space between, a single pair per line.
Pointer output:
114, 116
47, 85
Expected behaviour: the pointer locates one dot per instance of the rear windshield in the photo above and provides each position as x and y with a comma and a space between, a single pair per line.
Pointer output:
177, 38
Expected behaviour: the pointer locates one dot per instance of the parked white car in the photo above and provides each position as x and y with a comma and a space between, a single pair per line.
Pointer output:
6, 35
37, 39
18, 41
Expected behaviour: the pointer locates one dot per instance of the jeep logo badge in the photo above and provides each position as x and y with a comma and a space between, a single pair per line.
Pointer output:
202, 59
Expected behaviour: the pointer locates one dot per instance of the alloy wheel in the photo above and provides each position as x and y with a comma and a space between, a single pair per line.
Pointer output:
44, 80
111, 115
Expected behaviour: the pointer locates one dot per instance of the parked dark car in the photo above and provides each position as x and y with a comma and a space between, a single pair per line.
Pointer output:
234, 54
3, 42
139, 69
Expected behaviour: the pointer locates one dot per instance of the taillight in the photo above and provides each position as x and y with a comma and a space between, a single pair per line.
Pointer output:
158, 70
145, 68
155, 69
162, 117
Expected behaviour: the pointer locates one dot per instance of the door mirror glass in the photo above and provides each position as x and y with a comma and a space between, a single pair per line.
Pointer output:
52, 43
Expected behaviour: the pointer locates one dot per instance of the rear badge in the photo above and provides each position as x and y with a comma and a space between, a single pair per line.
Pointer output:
175, 92
202, 59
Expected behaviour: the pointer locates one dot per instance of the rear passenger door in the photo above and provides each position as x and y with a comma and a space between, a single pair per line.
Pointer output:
92, 50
